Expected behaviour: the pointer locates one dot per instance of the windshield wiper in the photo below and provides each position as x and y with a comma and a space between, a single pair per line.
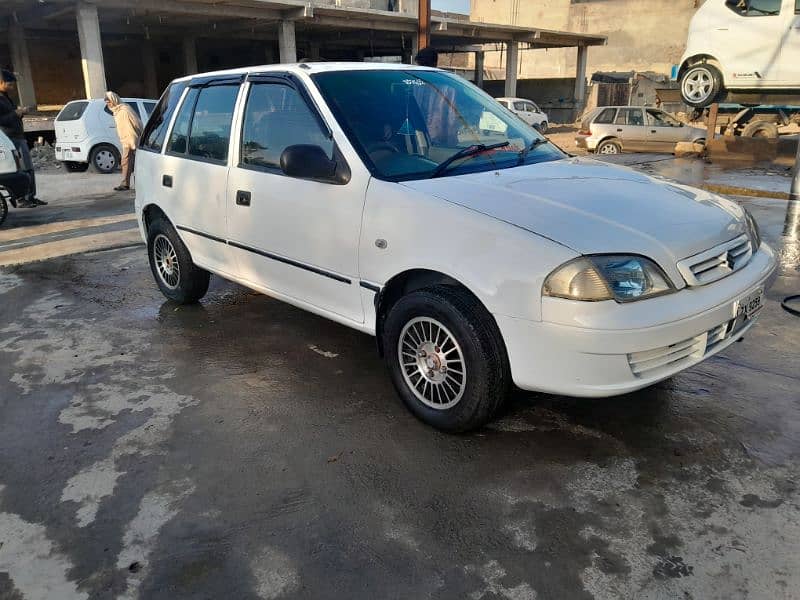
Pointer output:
465, 153
535, 144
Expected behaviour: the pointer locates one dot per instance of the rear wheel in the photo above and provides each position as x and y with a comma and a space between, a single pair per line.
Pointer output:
177, 276
701, 84
446, 358
761, 129
3, 206
609, 147
104, 158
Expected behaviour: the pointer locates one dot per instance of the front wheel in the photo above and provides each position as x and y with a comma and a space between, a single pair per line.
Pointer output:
542, 127
446, 358
179, 279
701, 85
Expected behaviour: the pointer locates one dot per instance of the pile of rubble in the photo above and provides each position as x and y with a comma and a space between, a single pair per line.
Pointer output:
44, 157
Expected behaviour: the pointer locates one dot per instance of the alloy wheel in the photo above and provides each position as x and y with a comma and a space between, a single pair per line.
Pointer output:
166, 260
698, 85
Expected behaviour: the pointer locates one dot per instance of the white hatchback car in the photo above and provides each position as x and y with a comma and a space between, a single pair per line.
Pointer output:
528, 111
741, 45
87, 137
368, 194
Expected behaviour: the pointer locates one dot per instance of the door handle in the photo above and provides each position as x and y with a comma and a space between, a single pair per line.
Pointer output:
653, 131
166, 180
242, 198
620, 130
722, 29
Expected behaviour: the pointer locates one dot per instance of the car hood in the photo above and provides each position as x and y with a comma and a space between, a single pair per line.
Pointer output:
593, 207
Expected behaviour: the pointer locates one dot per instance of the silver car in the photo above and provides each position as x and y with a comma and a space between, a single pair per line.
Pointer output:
614, 129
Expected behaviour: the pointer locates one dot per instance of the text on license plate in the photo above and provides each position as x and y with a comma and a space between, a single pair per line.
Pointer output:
749, 305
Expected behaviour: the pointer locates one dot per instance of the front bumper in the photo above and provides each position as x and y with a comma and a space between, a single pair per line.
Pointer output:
71, 153
591, 349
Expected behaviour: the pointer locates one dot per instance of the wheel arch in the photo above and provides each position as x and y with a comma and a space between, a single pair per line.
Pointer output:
699, 58
410, 281
609, 138
150, 213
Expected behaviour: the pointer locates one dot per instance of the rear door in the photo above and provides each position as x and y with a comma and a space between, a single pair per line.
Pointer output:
630, 128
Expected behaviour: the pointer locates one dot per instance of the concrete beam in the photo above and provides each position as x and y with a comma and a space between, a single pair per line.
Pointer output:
479, 66
190, 55
94, 70
580, 75
512, 67
22, 65
287, 43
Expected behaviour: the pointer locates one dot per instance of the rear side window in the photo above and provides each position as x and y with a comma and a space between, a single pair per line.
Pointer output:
606, 116
210, 133
133, 105
156, 130
72, 111
277, 117
630, 116
757, 8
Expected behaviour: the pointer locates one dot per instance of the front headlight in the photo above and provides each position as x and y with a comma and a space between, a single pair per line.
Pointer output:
752, 230
623, 278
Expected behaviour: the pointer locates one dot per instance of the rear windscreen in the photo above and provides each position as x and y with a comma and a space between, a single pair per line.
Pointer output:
72, 111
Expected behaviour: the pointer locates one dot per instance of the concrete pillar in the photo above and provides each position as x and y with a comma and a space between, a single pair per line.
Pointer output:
512, 66
479, 62
286, 42
190, 55
580, 75
150, 74
94, 70
22, 65
794, 190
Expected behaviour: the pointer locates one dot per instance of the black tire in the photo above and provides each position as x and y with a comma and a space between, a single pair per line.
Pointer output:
701, 85
609, 147
543, 127
761, 129
3, 206
190, 282
104, 158
486, 375
75, 167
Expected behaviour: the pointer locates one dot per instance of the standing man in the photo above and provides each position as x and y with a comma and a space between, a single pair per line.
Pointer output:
11, 125
129, 128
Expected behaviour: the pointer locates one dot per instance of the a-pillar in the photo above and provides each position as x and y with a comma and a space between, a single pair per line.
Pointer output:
512, 65
580, 80
22, 65
190, 55
287, 44
480, 57
150, 75
94, 70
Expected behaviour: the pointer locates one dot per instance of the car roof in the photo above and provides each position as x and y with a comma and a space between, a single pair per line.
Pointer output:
508, 99
311, 68
93, 100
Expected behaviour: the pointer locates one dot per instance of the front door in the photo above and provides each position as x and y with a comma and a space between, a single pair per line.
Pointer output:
663, 131
631, 130
297, 238
748, 36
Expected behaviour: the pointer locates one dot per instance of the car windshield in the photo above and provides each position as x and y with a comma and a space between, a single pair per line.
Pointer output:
411, 124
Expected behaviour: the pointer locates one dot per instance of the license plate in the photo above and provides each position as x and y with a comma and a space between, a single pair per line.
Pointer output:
745, 308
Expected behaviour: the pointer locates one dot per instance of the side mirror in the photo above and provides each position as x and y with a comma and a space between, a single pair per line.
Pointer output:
307, 161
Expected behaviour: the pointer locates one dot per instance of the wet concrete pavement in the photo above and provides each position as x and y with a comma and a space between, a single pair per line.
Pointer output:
242, 448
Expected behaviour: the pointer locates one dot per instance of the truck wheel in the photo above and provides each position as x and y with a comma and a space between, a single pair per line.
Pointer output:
701, 84
179, 279
3, 207
446, 358
609, 147
760, 129
104, 158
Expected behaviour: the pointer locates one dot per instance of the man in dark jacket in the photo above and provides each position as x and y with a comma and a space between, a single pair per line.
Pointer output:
11, 125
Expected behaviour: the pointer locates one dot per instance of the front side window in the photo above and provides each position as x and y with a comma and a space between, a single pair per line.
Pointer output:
606, 116
756, 8
521, 106
275, 118
415, 124
72, 111
630, 116
658, 118
210, 133
156, 130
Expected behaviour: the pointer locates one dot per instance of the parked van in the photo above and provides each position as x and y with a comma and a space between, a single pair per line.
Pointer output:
15, 184
87, 137
741, 45
528, 111
370, 195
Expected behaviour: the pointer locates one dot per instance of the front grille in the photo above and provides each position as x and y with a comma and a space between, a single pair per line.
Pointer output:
712, 265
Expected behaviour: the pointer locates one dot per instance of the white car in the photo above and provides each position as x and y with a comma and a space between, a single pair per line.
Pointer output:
528, 111
86, 135
368, 194
15, 184
741, 45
